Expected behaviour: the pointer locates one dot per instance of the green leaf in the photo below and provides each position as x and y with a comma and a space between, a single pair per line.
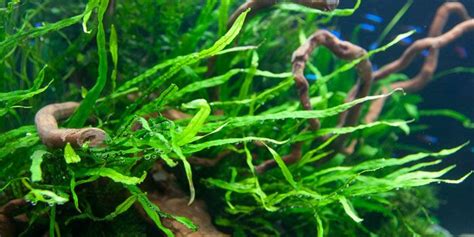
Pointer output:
72, 187
251, 120
170, 93
226, 141
304, 9
9, 99
91, 5
403, 125
35, 168
85, 108
320, 226
47, 196
187, 170
145, 124
237, 49
262, 196
113, 48
150, 209
466, 122
394, 21
349, 209
121, 208
211, 82
196, 122
70, 155
223, 16
284, 169
456, 70
13, 40
178, 63
14, 134
110, 173
21, 142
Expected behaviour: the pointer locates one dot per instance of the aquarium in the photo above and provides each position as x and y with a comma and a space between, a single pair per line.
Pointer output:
236, 118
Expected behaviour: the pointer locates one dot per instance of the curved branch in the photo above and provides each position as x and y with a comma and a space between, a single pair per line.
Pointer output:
436, 28
54, 137
344, 50
434, 42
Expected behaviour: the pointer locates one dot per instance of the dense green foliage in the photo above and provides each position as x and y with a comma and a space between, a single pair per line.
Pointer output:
158, 52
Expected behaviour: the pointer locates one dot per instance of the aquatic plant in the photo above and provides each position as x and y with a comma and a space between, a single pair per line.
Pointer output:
190, 113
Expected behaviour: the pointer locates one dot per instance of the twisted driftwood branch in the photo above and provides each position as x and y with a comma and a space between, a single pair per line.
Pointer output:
344, 50
434, 42
348, 51
46, 121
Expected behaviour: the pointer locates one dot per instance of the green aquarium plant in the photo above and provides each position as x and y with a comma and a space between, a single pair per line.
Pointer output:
179, 118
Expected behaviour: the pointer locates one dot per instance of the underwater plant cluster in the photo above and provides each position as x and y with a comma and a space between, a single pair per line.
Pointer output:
219, 118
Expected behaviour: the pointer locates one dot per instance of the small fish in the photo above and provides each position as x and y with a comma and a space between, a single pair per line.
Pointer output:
373, 46
406, 41
367, 27
38, 24
425, 53
311, 77
428, 139
336, 33
417, 29
373, 18
375, 67
461, 52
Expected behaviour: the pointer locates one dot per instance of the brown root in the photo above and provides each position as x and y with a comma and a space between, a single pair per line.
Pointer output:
52, 136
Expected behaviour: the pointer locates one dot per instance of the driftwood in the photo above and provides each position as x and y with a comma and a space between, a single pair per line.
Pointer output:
345, 50
51, 135
434, 42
